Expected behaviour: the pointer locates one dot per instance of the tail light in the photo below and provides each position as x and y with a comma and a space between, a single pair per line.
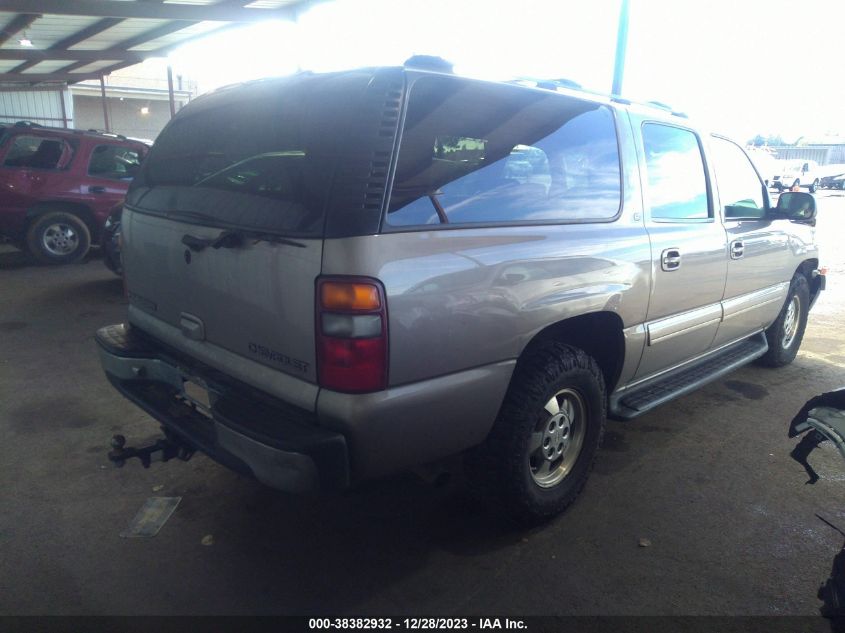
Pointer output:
351, 334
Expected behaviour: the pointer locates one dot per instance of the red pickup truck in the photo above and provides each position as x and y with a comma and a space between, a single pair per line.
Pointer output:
58, 186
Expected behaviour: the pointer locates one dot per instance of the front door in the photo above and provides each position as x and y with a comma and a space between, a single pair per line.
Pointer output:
760, 263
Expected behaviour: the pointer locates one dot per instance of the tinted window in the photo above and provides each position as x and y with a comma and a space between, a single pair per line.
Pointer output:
260, 157
38, 152
481, 153
113, 161
740, 188
677, 187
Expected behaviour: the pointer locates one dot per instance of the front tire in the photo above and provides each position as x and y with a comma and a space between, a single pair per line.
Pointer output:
784, 336
58, 238
814, 186
543, 444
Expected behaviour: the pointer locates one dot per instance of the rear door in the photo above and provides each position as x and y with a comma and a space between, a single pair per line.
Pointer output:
688, 246
253, 166
105, 176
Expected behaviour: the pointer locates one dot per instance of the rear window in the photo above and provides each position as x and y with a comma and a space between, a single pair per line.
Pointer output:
262, 159
38, 152
481, 153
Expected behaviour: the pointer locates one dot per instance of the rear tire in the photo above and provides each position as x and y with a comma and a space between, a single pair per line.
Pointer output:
58, 237
814, 186
543, 444
784, 336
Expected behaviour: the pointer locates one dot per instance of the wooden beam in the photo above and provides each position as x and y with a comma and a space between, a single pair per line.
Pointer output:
123, 46
26, 78
88, 32
17, 25
149, 10
71, 40
33, 55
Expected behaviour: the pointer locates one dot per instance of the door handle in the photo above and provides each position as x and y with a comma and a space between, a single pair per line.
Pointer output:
670, 259
96, 189
737, 249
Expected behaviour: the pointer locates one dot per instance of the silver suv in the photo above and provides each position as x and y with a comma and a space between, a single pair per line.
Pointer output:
336, 276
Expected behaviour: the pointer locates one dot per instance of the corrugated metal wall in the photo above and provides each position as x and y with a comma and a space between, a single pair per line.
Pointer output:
822, 154
39, 106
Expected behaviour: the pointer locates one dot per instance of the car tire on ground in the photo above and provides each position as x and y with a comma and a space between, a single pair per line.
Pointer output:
541, 449
786, 333
778, 187
58, 237
814, 186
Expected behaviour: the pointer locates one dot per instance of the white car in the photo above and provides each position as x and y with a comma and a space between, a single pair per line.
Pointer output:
796, 172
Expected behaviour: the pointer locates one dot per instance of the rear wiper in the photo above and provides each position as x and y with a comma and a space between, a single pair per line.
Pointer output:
234, 239
270, 237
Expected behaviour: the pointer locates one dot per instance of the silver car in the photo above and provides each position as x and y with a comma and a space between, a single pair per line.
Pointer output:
336, 276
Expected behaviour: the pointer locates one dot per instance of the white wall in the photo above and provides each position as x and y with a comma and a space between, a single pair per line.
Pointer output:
39, 106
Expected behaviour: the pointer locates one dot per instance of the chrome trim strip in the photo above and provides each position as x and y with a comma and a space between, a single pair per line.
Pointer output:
667, 328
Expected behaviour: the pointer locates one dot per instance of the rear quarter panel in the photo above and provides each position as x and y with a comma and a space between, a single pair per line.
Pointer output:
465, 298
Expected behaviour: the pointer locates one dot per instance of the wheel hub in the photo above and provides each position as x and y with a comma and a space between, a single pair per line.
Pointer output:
60, 239
558, 437
790, 322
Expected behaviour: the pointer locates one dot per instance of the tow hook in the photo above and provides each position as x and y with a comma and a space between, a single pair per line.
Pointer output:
164, 449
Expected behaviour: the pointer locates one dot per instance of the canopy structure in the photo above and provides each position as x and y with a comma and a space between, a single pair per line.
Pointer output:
50, 43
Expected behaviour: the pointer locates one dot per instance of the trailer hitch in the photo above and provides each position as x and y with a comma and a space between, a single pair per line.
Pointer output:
164, 449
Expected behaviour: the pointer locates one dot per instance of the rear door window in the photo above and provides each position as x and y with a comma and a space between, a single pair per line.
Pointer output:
677, 184
114, 162
485, 153
38, 152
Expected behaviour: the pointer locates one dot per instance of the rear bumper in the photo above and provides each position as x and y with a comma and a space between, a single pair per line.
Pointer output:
347, 438
249, 432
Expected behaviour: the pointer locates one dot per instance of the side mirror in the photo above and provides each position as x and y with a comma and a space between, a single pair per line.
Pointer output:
798, 206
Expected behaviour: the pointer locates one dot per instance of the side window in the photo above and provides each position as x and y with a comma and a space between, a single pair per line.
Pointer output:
114, 162
677, 185
740, 188
475, 153
39, 152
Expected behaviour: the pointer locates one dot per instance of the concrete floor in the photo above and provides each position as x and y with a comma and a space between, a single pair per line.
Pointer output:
707, 479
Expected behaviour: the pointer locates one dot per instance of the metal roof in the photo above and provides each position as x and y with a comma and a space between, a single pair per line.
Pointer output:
74, 40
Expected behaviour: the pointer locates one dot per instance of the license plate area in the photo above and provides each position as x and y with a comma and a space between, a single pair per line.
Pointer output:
196, 393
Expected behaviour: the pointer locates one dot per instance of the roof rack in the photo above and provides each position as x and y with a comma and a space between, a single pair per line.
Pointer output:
548, 84
429, 62
102, 133
568, 84
30, 124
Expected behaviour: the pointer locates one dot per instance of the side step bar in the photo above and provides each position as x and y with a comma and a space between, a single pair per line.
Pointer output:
636, 401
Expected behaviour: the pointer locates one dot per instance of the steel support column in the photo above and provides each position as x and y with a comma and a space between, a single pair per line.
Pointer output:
170, 91
621, 48
64, 108
105, 105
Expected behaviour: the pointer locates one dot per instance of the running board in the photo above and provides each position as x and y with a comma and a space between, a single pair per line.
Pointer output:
636, 401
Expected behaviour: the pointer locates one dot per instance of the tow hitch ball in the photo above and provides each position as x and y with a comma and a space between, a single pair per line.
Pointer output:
162, 450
